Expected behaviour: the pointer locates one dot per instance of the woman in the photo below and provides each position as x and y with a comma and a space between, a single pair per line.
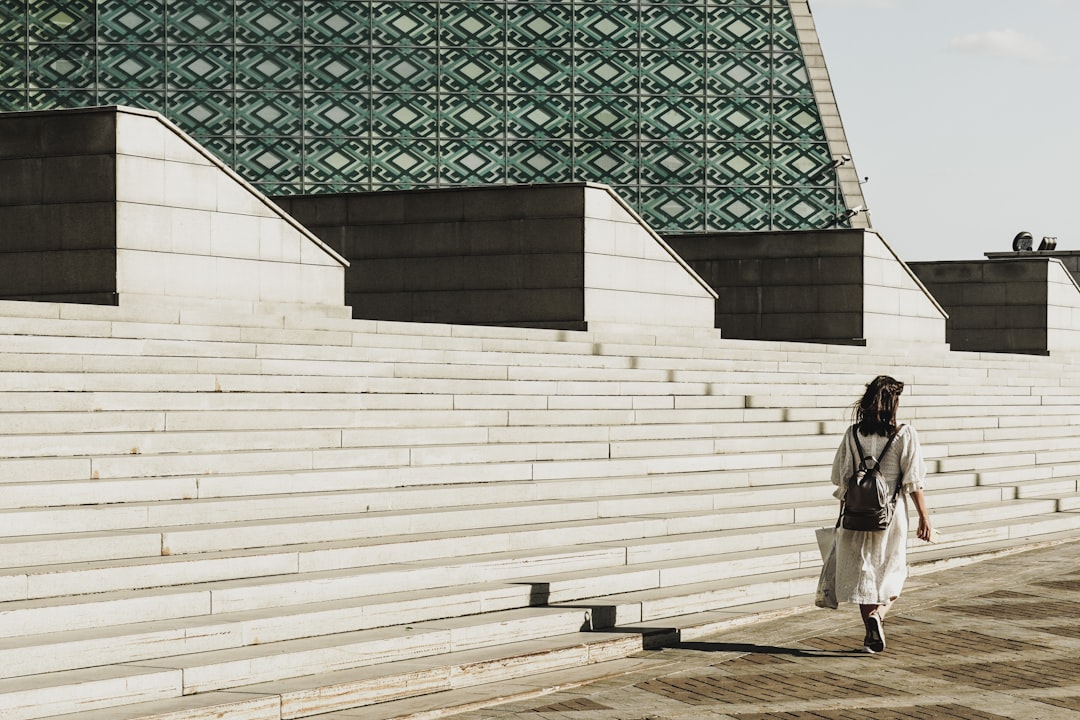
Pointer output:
871, 565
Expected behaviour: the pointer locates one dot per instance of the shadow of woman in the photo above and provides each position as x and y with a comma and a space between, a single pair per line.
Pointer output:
752, 649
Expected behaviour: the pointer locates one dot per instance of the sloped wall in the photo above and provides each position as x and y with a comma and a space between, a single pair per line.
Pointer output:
833, 286
1011, 304
563, 256
118, 203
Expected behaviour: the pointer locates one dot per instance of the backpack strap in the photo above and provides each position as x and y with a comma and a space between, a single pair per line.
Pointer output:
877, 463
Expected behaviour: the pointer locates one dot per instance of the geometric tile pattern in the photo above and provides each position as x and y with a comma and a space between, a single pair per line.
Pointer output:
700, 112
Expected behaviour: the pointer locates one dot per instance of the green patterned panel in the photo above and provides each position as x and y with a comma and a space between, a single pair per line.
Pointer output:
340, 162
269, 159
535, 24
13, 99
540, 161
12, 23
796, 208
205, 21
262, 23
61, 21
606, 71
332, 22
605, 161
672, 117
405, 69
472, 162
131, 21
739, 163
540, 70
797, 119
607, 116
741, 28
471, 24
12, 66
673, 206
739, 119
801, 164
404, 115
336, 68
268, 113
404, 162
738, 207
472, 70
664, 27
337, 114
56, 99
131, 66
739, 74
471, 116
396, 24
60, 65
144, 99
530, 116
606, 25
268, 67
204, 67
700, 112
203, 112
673, 163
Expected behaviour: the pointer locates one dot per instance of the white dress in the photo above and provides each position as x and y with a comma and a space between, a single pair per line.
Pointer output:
871, 566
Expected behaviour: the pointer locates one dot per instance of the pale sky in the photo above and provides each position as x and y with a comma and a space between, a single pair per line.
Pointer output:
964, 114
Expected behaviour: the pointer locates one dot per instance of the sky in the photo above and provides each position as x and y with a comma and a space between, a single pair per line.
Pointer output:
965, 117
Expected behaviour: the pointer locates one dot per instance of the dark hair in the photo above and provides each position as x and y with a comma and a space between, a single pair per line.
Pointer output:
875, 413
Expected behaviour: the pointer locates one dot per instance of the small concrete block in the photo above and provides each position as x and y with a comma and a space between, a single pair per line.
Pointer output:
183, 149
376, 208
144, 227
191, 231
434, 206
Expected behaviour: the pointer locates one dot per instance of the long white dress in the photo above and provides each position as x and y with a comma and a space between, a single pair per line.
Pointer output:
871, 566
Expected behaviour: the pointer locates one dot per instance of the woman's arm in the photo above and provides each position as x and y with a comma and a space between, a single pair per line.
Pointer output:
924, 516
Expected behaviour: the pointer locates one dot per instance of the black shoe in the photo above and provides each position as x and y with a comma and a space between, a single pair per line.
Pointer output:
874, 641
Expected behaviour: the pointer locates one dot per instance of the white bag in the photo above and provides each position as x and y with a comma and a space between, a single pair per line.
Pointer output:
826, 589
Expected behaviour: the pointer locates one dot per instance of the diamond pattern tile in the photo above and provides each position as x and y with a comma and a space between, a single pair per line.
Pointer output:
330, 22
404, 115
131, 21
337, 114
404, 162
66, 21
699, 112
264, 23
535, 24
131, 66
472, 162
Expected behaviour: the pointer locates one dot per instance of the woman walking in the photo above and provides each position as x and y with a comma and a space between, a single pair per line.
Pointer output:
871, 565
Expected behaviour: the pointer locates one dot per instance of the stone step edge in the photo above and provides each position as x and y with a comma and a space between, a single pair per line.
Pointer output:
679, 629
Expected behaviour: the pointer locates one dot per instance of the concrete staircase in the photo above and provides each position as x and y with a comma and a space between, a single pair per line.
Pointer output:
263, 516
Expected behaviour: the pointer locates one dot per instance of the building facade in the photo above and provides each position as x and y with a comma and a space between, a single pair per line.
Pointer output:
705, 115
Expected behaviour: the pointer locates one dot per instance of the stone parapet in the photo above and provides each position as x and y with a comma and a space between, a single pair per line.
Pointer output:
833, 286
567, 256
102, 204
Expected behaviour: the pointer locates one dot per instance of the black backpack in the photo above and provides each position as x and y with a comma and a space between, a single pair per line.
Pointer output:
870, 499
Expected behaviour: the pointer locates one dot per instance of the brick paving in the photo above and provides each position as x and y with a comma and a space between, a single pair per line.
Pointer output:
997, 639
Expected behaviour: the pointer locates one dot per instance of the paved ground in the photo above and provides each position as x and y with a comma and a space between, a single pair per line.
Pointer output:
995, 639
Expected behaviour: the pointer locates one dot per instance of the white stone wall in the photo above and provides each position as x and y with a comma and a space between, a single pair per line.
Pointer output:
632, 277
896, 305
190, 228
1062, 309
